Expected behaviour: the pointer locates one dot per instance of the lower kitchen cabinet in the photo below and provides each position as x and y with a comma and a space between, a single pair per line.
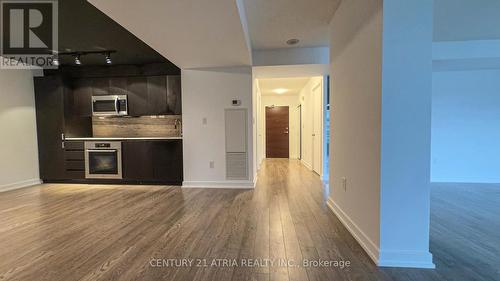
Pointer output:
152, 161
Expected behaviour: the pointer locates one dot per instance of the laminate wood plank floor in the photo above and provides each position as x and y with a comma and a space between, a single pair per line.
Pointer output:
115, 232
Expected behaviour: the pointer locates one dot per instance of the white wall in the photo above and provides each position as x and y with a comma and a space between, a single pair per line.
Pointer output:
381, 59
205, 94
308, 109
291, 56
465, 126
292, 101
19, 149
355, 91
406, 133
457, 20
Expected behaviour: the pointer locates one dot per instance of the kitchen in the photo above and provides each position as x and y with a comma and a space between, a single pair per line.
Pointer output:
121, 125
111, 111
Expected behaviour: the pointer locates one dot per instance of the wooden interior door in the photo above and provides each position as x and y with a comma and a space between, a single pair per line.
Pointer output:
277, 132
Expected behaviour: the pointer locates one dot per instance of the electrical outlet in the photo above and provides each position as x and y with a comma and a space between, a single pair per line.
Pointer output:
204, 121
344, 183
211, 164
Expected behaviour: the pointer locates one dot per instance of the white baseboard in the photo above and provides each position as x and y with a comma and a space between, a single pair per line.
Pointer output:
366, 243
406, 259
219, 184
307, 165
19, 184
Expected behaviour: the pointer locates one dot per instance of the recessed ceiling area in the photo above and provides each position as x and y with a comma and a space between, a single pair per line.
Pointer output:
82, 27
272, 23
282, 86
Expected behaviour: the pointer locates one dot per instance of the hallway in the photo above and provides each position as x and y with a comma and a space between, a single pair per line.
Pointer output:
114, 232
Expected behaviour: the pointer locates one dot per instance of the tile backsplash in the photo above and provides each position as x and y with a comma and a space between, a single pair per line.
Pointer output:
144, 126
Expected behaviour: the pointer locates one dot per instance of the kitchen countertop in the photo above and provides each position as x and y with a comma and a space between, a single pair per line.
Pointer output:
119, 139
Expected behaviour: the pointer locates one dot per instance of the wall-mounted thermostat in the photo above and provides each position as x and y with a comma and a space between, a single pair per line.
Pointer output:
236, 102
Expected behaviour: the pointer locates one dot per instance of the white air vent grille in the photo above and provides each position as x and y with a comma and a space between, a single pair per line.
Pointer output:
236, 166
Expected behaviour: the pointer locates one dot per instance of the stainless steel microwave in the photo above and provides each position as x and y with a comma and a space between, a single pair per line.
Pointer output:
112, 105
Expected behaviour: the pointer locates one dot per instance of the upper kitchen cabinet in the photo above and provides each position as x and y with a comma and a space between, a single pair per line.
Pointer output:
81, 97
147, 95
118, 86
154, 95
138, 98
100, 86
174, 94
157, 95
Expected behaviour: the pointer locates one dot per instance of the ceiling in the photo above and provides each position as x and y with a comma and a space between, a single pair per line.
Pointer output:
82, 27
289, 71
463, 20
293, 86
190, 33
272, 23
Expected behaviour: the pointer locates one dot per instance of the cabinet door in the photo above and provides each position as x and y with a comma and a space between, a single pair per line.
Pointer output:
82, 97
137, 163
167, 161
49, 105
100, 86
138, 96
157, 95
174, 94
118, 86
153, 160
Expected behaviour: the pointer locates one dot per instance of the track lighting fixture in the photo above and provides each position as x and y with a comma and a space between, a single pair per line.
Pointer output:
78, 54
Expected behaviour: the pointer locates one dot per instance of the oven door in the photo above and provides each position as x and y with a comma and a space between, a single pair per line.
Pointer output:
103, 164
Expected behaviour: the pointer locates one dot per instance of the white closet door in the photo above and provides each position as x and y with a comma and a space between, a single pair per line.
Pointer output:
236, 144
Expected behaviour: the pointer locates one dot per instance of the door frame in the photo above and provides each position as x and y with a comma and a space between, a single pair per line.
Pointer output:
319, 87
299, 108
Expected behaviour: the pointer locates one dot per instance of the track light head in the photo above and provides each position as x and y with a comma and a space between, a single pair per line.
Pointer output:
108, 58
77, 60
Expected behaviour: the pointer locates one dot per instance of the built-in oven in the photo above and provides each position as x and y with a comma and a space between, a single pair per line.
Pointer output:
103, 160
111, 105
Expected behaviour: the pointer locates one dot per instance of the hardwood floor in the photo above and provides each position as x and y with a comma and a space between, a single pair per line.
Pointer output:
95, 232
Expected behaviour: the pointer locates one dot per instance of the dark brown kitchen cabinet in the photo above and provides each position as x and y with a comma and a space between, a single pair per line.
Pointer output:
157, 95
154, 95
153, 161
74, 157
138, 99
81, 95
118, 86
100, 86
49, 104
147, 95
174, 95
